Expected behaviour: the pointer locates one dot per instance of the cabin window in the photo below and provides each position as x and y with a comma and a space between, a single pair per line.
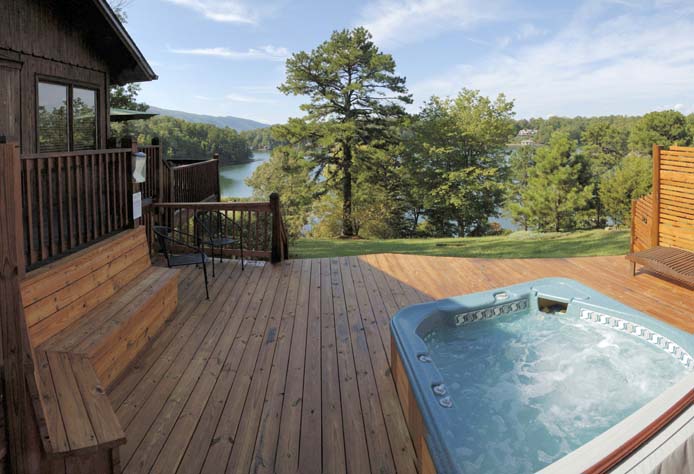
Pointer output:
53, 117
67, 118
83, 119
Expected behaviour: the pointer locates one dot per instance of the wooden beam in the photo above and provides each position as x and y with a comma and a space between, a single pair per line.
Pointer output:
16, 353
655, 224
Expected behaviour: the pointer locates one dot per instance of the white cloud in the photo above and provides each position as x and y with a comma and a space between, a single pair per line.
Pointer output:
249, 99
394, 22
228, 11
269, 53
626, 63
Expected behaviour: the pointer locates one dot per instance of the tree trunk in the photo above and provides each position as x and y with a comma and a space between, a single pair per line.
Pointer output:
347, 224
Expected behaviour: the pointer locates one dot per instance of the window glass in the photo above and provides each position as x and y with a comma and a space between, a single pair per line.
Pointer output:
83, 119
53, 131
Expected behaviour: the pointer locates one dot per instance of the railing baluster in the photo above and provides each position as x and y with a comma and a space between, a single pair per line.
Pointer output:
70, 204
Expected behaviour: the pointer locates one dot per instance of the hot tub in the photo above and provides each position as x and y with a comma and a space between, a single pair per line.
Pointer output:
546, 375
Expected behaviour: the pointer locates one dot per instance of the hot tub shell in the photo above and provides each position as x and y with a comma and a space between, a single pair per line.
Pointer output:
415, 374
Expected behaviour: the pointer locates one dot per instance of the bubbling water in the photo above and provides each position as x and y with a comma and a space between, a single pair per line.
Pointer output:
530, 388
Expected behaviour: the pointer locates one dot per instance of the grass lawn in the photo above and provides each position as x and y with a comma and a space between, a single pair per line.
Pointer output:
516, 245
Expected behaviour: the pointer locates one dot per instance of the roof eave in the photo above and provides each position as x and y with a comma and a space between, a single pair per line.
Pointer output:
144, 71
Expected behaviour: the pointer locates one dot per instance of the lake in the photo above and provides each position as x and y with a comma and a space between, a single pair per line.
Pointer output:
231, 181
231, 177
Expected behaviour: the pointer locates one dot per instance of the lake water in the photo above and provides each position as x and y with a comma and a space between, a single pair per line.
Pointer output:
231, 177
231, 181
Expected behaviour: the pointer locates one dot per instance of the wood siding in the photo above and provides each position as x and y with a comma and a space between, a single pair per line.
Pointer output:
39, 28
44, 45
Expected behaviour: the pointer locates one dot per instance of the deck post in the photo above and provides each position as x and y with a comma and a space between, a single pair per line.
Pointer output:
277, 249
655, 224
16, 353
128, 142
219, 189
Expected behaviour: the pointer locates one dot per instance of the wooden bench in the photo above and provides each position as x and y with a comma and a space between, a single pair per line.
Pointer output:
676, 264
89, 315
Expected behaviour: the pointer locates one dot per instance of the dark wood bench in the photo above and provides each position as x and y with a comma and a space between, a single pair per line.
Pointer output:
674, 263
89, 315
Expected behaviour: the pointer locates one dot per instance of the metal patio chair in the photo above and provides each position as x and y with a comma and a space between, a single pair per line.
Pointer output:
194, 256
211, 231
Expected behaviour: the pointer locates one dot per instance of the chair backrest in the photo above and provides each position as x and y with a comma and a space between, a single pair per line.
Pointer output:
161, 234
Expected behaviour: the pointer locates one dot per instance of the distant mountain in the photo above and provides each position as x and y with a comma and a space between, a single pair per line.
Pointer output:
237, 123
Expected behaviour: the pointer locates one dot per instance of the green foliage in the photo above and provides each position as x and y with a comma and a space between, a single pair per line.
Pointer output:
455, 159
521, 161
261, 139
664, 128
355, 101
125, 97
554, 194
187, 140
287, 173
628, 181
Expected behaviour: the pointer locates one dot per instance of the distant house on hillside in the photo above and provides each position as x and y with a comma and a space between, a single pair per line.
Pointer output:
527, 142
527, 132
57, 62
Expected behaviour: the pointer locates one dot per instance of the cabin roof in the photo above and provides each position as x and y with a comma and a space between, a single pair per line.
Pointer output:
107, 35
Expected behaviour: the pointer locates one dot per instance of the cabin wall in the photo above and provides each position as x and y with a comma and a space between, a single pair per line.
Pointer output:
38, 42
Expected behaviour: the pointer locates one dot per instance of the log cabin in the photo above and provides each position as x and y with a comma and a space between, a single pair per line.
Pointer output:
57, 61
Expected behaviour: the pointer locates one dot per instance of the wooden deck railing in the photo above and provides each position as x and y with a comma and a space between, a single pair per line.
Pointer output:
71, 199
154, 186
195, 182
264, 235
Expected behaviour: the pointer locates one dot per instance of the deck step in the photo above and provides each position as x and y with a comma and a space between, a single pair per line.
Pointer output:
113, 333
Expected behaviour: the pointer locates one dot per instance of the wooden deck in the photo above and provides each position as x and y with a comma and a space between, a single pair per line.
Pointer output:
286, 368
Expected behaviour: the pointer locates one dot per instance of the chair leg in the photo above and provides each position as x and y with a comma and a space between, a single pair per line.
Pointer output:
633, 268
242, 266
204, 272
213, 274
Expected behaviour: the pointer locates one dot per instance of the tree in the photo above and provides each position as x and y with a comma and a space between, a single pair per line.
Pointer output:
665, 128
554, 194
287, 173
628, 181
356, 100
604, 146
521, 161
125, 97
455, 156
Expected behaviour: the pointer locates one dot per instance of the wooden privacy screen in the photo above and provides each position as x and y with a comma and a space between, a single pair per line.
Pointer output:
673, 196
72, 199
641, 219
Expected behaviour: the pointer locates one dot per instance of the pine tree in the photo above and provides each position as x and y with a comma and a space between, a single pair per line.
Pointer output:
554, 194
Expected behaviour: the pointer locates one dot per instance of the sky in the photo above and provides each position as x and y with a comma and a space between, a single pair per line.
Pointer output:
558, 57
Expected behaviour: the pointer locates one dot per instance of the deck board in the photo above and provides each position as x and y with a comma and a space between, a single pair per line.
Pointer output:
287, 367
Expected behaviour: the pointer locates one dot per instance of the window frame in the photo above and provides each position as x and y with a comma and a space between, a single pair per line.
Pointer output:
70, 85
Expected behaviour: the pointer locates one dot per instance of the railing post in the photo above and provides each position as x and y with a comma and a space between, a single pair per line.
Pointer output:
276, 251
128, 142
655, 225
218, 191
16, 353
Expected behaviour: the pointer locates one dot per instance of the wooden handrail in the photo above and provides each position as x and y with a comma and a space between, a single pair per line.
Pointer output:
194, 182
71, 199
260, 223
